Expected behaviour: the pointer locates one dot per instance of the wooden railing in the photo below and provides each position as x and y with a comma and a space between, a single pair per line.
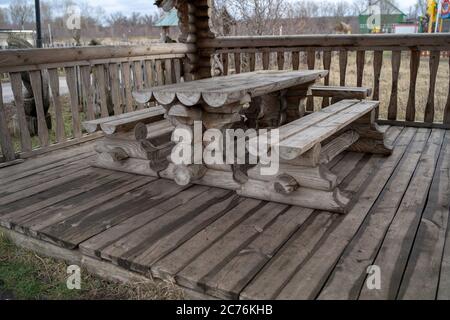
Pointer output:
242, 54
99, 81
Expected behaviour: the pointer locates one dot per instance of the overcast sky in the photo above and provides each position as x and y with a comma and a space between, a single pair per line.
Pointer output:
146, 6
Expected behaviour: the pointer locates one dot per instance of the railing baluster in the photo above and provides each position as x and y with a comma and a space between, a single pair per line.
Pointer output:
159, 72
115, 88
414, 68
252, 61
396, 61
225, 60
177, 70
101, 85
126, 69
138, 75
16, 86
434, 65
5, 138
168, 76
295, 60
311, 61
280, 60
237, 62
266, 60
447, 105
360, 62
88, 96
36, 85
343, 57
149, 79
326, 81
71, 79
377, 64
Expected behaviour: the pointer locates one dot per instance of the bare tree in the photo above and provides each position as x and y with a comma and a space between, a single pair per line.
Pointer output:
4, 19
21, 12
258, 16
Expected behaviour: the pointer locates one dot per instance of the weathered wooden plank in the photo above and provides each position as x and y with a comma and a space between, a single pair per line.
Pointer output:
295, 60
126, 74
36, 85
269, 281
55, 193
115, 87
168, 71
177, 70
280, 60
349, 274
101, 87
266, 60
143, 243
88, 91
159, 72
179, 233
414, 68
71, 78
227, 281
299, 143
237, 63
225, 63
393, 102
311, 62
434, 65
39, 188
56, 213
25, 140
424, 278
252, 61
95, 245
198, 273
5, 137
377, 64
85, 225
175, 261
36, 165
149, 66
343, 57
326, 81
447, 105
360, 63
394, 252
307, 282
30, 181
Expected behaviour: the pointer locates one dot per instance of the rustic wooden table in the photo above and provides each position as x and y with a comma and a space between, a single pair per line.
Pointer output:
261, 99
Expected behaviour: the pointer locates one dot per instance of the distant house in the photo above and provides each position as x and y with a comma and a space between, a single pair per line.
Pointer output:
389, 13
168, 20
28, 35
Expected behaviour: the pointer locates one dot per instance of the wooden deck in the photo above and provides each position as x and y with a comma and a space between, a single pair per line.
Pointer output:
214, 242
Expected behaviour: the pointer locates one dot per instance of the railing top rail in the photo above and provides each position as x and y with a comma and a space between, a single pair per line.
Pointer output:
30, 57
354, 41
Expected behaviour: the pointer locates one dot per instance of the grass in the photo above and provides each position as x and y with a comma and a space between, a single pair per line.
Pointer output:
26, 275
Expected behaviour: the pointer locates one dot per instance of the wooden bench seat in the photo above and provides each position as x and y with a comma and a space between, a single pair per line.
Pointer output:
309, 132
126, 121
306, 145
337, 92
135, 142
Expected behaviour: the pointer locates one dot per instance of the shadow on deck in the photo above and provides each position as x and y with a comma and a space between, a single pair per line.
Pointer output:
213, 242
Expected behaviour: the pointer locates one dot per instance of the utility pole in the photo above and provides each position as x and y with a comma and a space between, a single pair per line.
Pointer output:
37, 10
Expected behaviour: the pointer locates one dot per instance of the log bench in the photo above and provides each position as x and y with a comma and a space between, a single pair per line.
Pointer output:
136, 142
337, 93
306, 145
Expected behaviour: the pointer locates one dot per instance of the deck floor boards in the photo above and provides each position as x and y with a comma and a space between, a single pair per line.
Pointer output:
216, 243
